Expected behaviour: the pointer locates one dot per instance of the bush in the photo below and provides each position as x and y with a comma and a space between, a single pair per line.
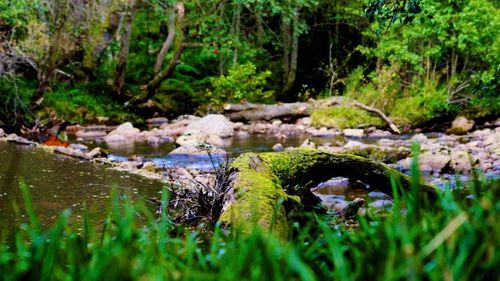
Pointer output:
344, 117
242, 82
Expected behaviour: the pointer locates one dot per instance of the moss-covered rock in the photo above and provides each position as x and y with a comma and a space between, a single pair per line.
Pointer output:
262, 183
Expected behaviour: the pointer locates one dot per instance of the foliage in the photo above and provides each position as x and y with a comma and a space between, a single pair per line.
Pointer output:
456, 236
341, 117
85, 104
242, 82
452, 42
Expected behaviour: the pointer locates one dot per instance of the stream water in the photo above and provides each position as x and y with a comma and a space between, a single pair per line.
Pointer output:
58, 182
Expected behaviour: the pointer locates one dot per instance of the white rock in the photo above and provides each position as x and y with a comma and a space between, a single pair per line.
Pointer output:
115, 138
278, 147
358, 133
212, 124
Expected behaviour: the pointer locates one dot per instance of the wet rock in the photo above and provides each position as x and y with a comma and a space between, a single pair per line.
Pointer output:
306, 121
276, 123
198, 150
460, 126
17, 139
87, 135
358, 133
79, 146
379, 195
355, 145
308, 144
97, 153
199, 138
278, 147
71, 152
212, 124
324, 132
379, 134
381, 204
461, 161
116, 139
126, 130
420, 138
153, 140
157, 121
123, 133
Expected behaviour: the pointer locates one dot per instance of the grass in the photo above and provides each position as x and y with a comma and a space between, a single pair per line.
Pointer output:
455, 238
344, 117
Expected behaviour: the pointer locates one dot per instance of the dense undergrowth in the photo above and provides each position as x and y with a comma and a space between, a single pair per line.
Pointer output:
455, 238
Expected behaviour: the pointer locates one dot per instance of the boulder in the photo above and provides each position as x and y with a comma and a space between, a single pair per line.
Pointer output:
357, 133
308, 144
126, 130
460, 126
379, 134
212, 124
157, 121
278, 147
97, 153
90, 134
355, 145
198, 150
114, 138
198, 138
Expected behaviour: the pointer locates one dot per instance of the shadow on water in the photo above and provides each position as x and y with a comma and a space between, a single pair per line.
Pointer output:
57, 182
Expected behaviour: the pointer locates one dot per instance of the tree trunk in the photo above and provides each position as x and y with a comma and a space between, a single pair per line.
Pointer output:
168, 42
260, 184
153, 85
292, 66
121, 67
47, 71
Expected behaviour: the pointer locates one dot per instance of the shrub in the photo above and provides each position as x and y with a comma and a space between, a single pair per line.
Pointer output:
242, 82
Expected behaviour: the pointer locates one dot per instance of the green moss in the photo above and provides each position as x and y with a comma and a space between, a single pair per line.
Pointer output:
263, 182
341, 117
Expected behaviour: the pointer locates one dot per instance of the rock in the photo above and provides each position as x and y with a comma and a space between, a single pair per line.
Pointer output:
420, 138
90, 134
379, 134
17, 139
212, 124
381, 204
493, 139
198, 150
358, 133
114, 138
149, 166
460, 126
215, 140
153, 140
97, 153
460, 161
79, 146
198, 138
276, 123
306, 121
2, 133
126, 130
354, 144
324, 132
71, 152
278, 147
157, 121
435, 162
308, 144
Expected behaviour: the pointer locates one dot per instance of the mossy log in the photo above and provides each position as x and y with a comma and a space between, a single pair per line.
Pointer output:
261, 183
250, 112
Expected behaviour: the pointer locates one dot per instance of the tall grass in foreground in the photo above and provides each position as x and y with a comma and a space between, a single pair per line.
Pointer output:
455, 238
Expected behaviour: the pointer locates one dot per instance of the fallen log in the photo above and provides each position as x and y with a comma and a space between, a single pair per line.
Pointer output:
251, 112
260, 183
